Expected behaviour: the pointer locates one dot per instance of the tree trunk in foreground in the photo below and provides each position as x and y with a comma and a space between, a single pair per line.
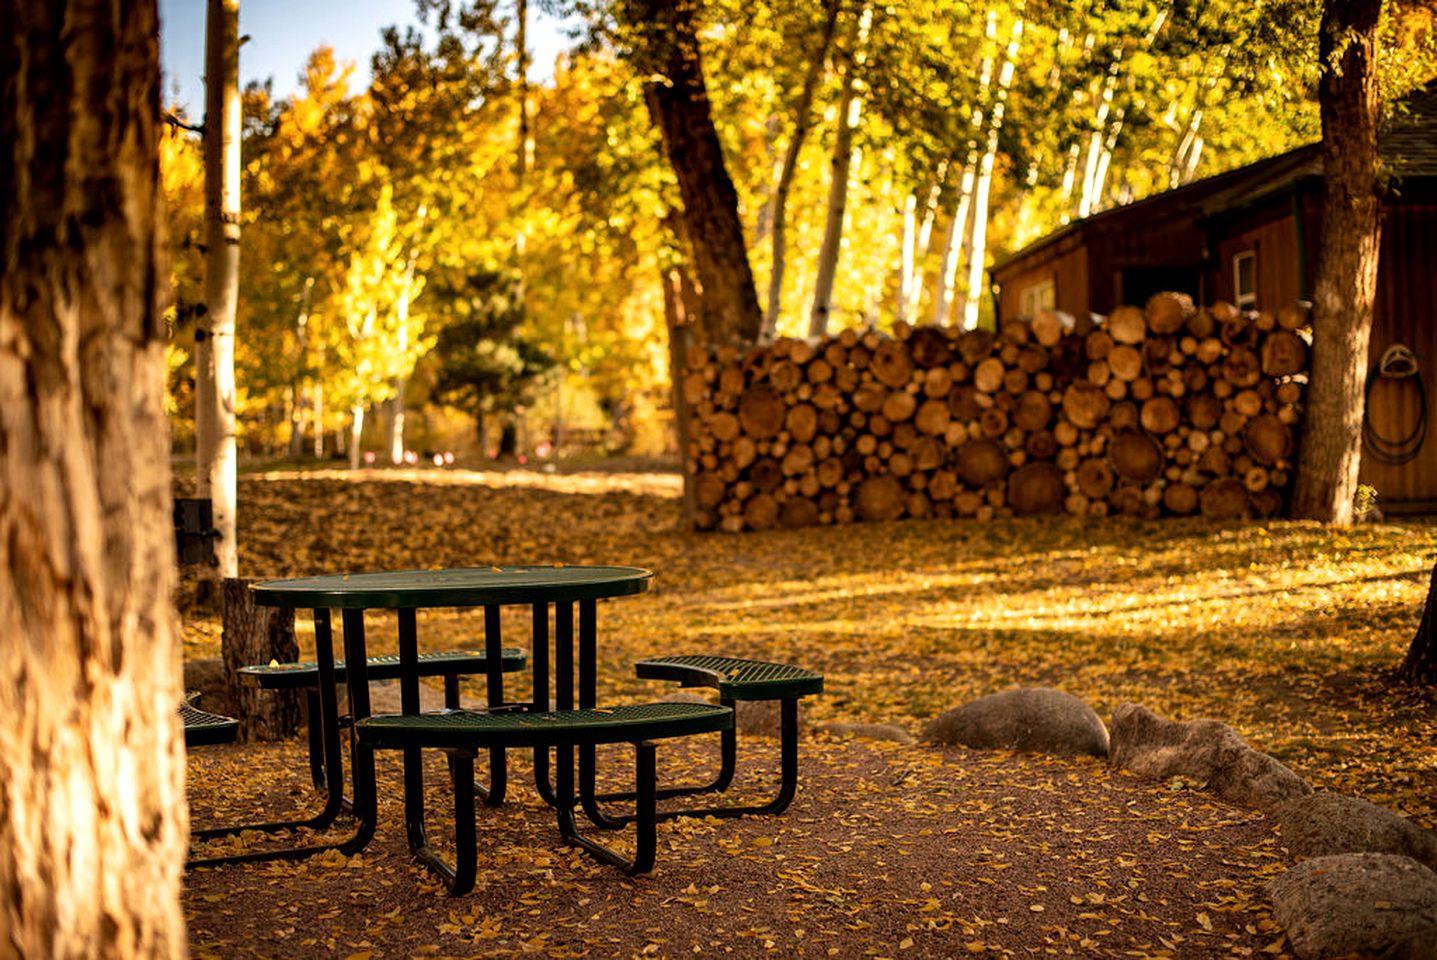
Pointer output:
93, 817
1346, 282
1420, 664
665, 44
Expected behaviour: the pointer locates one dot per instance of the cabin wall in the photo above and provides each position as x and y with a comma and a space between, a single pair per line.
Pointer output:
1088, 267
1405, 313
1065, 264
1274, 244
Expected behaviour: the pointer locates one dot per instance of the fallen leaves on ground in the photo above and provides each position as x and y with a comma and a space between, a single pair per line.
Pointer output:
1285, 630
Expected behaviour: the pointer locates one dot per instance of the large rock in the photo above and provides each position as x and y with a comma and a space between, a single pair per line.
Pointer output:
1206, 751
1325, 824
1036, 720
1357, 904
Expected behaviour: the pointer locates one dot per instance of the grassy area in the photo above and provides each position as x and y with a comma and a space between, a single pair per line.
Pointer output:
1287, 631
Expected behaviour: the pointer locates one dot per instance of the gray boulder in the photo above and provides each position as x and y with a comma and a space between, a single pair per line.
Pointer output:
1324, 824
1034, 720
1363, 904
1205, 751
868, 731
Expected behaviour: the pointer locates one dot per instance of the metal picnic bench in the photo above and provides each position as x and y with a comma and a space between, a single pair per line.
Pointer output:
570, 730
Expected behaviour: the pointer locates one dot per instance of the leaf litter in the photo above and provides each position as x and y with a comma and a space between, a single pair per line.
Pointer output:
1287, 631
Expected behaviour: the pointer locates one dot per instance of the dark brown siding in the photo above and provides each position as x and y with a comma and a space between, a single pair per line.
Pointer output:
1064, 262
1406, 313
1275, 246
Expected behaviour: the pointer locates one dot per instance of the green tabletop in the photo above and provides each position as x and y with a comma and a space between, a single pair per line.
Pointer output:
460, 587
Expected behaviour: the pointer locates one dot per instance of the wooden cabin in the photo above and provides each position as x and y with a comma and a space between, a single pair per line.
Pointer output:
1251, 236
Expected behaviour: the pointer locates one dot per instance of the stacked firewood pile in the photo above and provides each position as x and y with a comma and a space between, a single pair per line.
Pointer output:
1162, 410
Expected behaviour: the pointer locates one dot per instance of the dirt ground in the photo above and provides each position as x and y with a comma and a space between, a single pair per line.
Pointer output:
1286, 631
890, 850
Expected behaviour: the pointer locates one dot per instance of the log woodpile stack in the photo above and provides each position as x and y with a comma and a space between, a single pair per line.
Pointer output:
1166, 409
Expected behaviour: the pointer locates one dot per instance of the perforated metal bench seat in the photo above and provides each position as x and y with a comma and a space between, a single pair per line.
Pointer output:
458, 729
203, 728
734, 678
305, 673
464, 734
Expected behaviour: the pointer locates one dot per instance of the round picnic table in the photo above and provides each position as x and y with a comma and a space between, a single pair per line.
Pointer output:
562, 586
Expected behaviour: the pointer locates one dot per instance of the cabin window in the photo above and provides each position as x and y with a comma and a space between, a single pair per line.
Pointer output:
1038, 296
1244, 279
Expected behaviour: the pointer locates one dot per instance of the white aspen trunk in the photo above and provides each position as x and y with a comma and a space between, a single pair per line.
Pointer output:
396, 403
953, 244
396, 423
978, 240
1094, 149
296, 426
905, 267
1185, 146
1095, 169
1105, 159
925, 237
953, 239
803, 115
317, 406
1070, 177
849, 106
222, 230
356, 430
1190, 167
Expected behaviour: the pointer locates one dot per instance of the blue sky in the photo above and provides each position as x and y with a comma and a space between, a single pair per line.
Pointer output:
283, 33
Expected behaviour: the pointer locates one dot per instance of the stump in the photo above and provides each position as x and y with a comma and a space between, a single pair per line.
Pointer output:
257, 635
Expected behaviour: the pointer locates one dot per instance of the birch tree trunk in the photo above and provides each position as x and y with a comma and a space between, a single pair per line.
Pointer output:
953, 239
909, 255
925, 237
1346, 282
848, 107
296, 425
803, 116
92, 804
356, 431
978, 240
216, 407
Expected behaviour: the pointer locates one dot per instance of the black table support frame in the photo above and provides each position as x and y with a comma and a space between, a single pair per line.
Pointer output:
333, 773
573, 668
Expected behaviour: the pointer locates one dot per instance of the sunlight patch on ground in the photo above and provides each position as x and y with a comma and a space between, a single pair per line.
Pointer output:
667, 485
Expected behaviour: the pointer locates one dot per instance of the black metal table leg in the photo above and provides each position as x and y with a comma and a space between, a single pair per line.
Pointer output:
333, 768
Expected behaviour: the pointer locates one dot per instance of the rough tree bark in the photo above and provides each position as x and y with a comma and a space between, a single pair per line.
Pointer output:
217, 467
255, 634
1346, 281
1420, 664
664, 45
92, 804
